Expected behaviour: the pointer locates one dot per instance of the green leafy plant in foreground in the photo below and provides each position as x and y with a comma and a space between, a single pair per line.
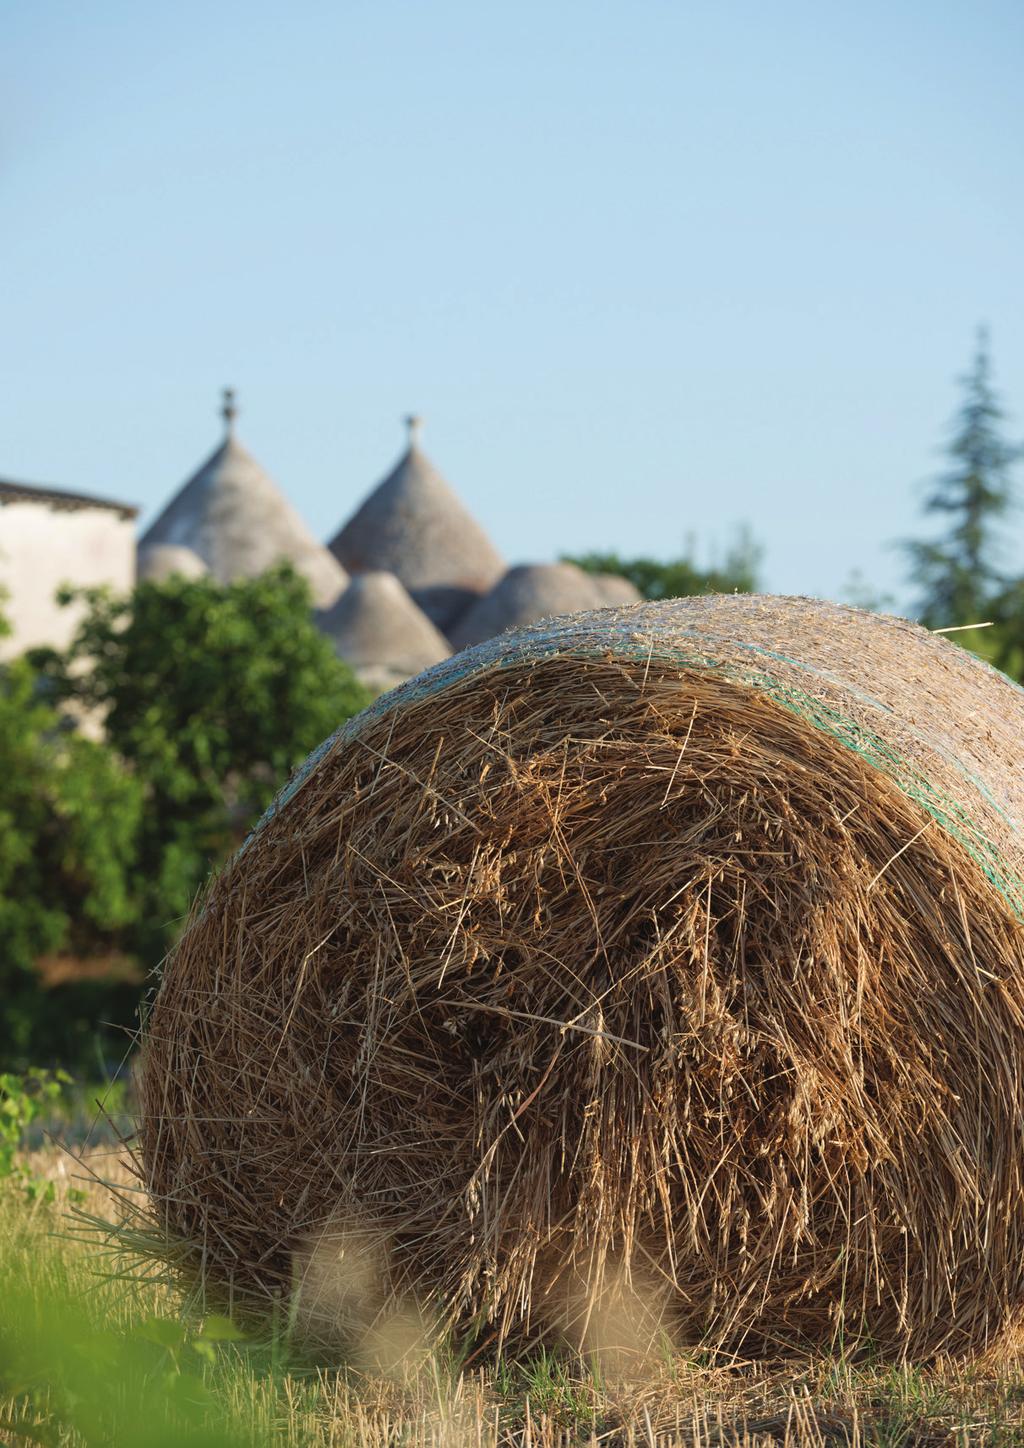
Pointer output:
144, 1385
90, 1359
24, 1097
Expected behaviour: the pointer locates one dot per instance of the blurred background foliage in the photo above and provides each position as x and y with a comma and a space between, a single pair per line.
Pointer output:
202, 697
737, 572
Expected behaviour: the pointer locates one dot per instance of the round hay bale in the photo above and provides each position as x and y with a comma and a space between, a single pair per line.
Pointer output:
677, 946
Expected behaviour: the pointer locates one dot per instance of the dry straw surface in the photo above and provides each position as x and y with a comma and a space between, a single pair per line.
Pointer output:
660, 969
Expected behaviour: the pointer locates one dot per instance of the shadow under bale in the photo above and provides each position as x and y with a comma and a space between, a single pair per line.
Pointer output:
668, 955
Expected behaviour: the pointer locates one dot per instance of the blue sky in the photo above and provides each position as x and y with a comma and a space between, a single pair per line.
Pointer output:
647, 269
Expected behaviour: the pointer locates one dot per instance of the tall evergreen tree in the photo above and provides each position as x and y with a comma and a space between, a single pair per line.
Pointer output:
958, 573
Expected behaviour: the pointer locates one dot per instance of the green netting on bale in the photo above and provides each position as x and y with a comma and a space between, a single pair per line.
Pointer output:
562, 639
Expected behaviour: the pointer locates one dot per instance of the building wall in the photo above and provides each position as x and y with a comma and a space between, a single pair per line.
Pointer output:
42, 546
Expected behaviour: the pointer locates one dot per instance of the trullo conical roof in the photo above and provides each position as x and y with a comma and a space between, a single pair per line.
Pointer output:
615, 590
378, 629
414, 526
169, 560
525, 595
239, 523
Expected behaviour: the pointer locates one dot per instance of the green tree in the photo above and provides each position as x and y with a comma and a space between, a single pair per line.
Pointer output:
212, 694
69, 820
1003, 645
680, 577
957, 573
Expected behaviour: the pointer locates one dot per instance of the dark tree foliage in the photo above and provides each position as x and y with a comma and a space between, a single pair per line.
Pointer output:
1003, 645
211, 694
69, 821
681, 577
957, 573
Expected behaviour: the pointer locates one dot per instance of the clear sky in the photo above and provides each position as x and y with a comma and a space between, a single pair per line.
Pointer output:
647, 269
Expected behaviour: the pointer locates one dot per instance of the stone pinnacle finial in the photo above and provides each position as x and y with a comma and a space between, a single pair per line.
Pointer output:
413, 423
229, 411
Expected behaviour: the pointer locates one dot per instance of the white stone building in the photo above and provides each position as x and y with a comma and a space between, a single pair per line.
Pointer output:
49, 538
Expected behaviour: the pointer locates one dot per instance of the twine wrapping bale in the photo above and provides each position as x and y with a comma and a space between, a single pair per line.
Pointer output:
677, 945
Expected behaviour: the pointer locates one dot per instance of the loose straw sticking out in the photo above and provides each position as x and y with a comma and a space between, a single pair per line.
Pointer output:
566, 1048
893, 858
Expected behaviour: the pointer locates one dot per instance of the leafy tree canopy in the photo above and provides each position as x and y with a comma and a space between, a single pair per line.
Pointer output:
69, 817
212, 694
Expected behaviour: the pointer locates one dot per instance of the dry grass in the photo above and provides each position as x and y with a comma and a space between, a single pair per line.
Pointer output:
611, 998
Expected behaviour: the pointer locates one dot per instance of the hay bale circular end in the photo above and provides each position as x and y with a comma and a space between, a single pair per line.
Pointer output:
676, 946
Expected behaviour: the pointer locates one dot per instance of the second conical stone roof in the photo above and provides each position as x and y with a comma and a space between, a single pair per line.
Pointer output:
414, 525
